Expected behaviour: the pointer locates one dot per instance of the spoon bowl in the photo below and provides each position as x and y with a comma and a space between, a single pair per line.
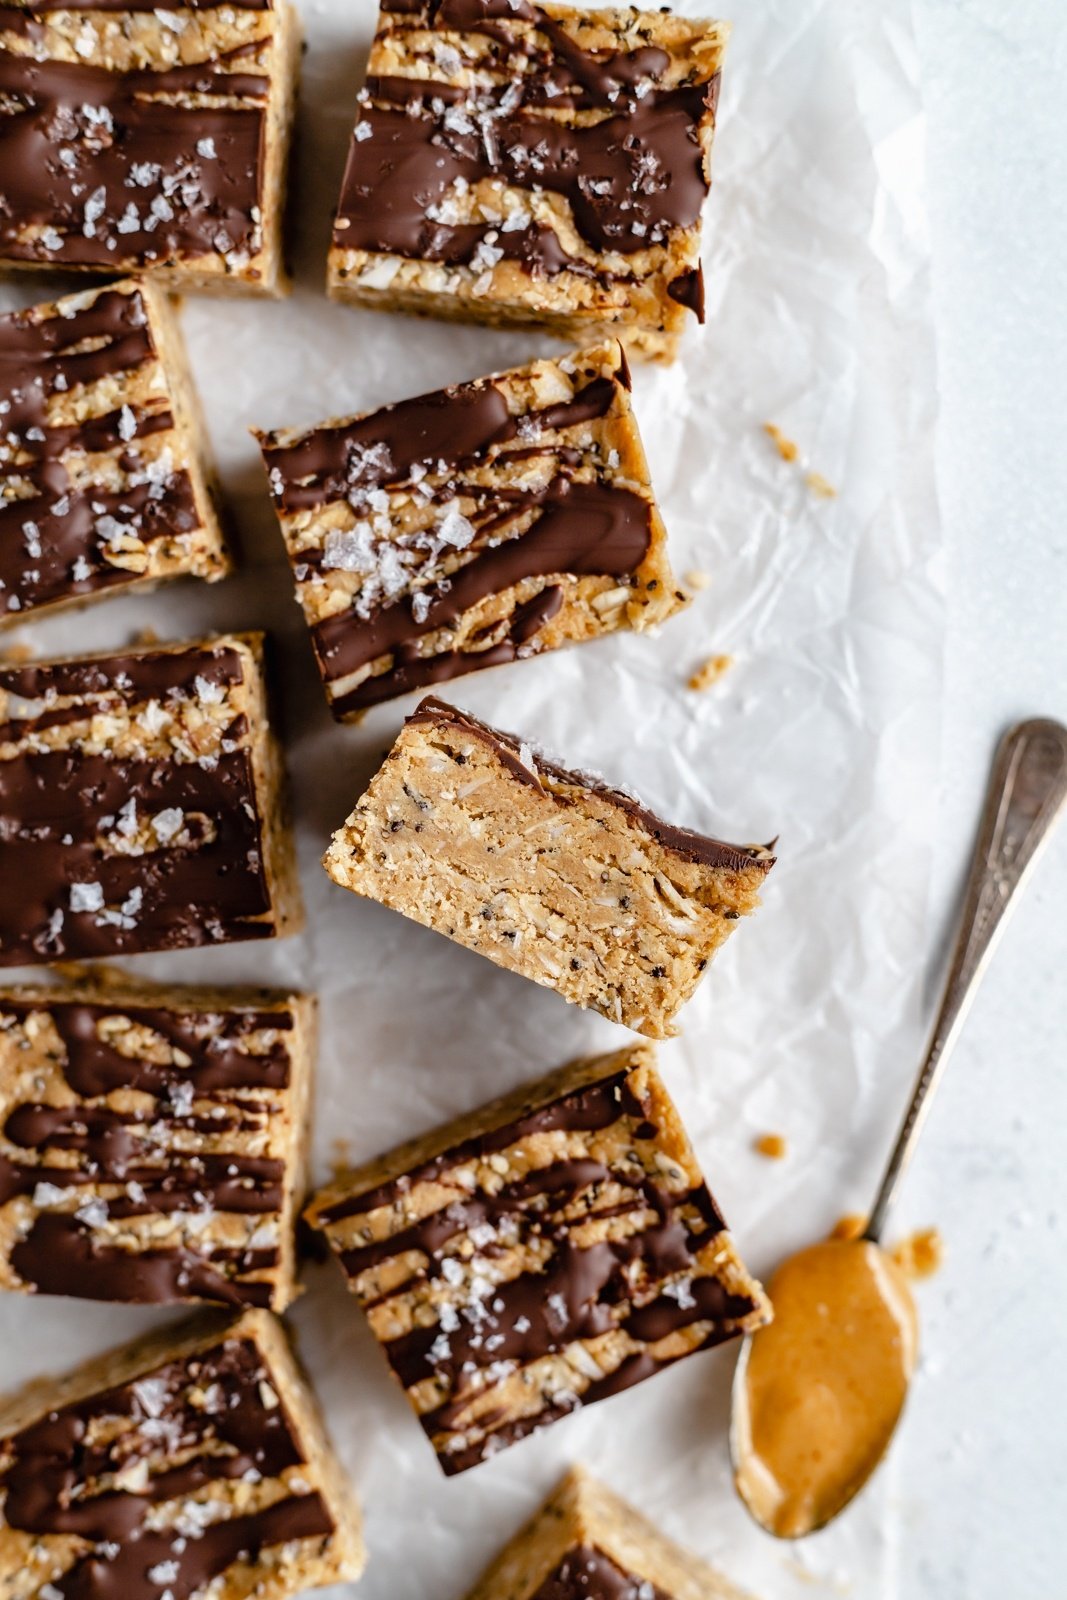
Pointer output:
819, 1391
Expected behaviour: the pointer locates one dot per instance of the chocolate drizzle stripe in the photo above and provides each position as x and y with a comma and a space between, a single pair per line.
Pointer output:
94, 1067
410, 670
694, 846
134, 678
586, 1573
54, 1483
580, 530
586, 1110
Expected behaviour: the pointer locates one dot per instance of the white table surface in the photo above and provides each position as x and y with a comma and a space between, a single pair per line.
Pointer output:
982, 1469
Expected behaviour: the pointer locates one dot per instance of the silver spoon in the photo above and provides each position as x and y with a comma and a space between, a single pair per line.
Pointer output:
1026, 794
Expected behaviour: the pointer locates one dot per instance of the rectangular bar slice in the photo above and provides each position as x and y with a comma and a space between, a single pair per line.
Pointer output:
153, 1140
552, 1249
192, 1463
549, 873
104, 481
585, 1543
483, 523
141, 804
135, 138
532, 164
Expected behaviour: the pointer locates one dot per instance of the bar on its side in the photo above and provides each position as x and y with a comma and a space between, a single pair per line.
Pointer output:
142, 804
153, 1140
586, 1543
473, 526
547, 872
549, 1250
532, 164
192, 1462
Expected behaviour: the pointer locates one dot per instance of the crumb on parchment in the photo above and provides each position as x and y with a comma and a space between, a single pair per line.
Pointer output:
709, 674
920, 1254
696, 579
788, 449
775, 1146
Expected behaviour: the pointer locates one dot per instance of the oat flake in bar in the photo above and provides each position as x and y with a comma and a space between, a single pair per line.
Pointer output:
142, 138
550, 873
552, 1249
585, 1543
532, 164
105, 481
192, 1463
141, 804
153, 1140
474, 526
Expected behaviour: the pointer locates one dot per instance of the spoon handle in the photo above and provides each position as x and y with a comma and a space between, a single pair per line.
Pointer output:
1027, 790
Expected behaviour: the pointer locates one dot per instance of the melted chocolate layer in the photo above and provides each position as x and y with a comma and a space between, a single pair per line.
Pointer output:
631, 168
577, 1292
141, 179
56, 1481
586, 1573
206, 886
53, 535
695, 846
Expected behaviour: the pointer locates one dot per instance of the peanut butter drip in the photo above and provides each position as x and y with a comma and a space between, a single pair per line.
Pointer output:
824, 1384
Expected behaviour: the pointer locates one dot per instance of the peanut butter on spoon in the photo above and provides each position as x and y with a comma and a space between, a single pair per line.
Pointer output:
819, 1391
824, 1384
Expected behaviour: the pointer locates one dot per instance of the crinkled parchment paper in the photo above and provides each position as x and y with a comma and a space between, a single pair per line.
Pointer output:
825, 732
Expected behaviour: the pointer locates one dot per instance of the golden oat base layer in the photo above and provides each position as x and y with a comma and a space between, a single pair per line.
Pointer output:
193, 1462
105, 477
142, 801
474, 526
148, 140
547, 872
532, 165
585, 1543
550, 1250
153, 1140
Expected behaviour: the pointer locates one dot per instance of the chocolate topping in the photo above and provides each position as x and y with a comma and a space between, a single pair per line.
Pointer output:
54, 536
586, 1573
149, 172
694, 846
631, 167
63, 889
206, 1412
577, 1292
579, 527
132, 1158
